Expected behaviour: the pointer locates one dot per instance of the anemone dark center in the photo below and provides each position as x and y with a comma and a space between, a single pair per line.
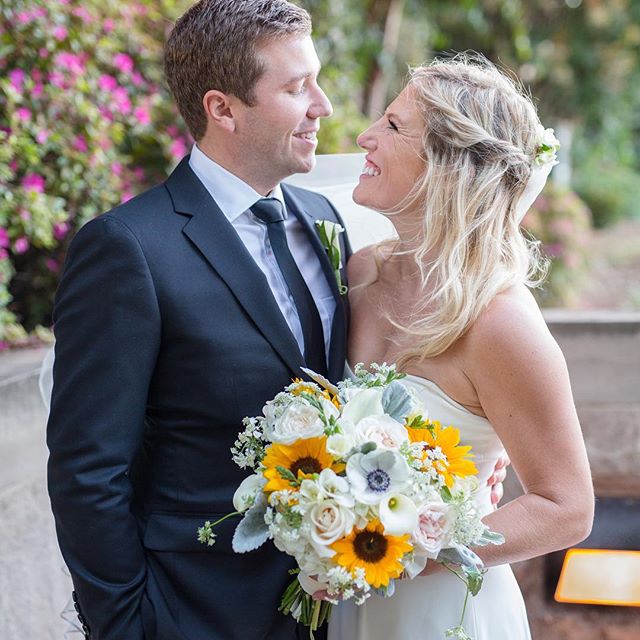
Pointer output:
308, 464
378, 480
370, 546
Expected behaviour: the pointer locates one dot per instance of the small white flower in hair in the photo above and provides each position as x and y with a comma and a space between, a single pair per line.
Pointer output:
547, 147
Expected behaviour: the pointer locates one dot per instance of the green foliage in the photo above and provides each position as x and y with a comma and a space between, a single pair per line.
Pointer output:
611, 191
562, 222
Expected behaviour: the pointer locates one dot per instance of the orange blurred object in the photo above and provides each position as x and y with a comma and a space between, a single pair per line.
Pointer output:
600, 576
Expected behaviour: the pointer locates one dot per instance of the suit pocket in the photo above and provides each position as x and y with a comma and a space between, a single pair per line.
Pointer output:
178, 532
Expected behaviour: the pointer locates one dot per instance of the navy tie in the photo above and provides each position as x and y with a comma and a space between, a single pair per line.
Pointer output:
270, 211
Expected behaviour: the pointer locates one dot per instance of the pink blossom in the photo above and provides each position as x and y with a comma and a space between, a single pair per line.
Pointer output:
137, 78
123, 62
43, 52
60, 32
24, 17
121, 100
108, 25
4, 238
116, 169
126, 196
21, 245
3, 256
60, 230
142, 115
13, 165
25, 214
16, 78
172, 130
52, 265
71, 62
33, 182
107, 82
83, 14
80, 144
106, 114
138, 172
24, 115
178, 149
57, 79
3, 345
554, 249
36, 75
37, 90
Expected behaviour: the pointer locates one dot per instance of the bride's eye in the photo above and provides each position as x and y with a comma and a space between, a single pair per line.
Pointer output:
392, 125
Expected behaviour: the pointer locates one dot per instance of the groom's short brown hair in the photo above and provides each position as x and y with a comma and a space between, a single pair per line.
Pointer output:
213, 46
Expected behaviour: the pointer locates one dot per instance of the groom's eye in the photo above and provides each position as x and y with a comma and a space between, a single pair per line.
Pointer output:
298, 90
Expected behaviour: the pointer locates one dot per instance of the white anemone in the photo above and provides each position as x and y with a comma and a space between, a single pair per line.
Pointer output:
377, 475
245, 494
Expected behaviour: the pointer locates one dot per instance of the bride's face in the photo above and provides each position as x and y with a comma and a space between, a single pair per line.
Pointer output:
393, 161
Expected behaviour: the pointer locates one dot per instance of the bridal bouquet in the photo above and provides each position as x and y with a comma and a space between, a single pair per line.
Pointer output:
360, 487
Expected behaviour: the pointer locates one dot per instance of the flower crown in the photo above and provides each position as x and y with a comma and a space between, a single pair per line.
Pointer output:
547, 147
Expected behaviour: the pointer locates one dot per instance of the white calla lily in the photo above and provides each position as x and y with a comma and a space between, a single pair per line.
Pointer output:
398, 514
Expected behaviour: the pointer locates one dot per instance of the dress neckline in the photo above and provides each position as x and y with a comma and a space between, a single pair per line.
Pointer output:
445, 395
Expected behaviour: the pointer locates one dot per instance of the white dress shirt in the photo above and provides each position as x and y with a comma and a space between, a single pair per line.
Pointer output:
234, 197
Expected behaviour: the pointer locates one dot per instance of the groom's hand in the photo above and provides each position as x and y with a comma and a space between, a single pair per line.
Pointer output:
498, 477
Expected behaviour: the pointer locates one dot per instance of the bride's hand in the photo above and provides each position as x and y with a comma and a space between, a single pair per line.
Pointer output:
498, 477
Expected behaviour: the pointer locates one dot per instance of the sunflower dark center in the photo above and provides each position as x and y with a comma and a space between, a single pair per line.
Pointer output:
307, 464
370, 546
378, 480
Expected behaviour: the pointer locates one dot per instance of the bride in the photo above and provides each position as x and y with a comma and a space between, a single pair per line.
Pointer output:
454, 162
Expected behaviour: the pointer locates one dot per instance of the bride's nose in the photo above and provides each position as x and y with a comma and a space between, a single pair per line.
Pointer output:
366, 139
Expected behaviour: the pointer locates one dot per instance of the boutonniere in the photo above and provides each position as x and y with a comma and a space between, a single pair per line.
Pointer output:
329, 233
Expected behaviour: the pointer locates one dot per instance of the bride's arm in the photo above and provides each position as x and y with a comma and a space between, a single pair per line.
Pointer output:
523, 386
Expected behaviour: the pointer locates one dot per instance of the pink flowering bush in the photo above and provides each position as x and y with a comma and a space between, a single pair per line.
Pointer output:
562, 222
85, 123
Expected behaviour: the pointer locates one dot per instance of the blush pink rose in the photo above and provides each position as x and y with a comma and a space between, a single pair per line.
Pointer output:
435, 520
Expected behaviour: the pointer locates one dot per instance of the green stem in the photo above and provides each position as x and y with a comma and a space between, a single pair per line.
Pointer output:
466, 595
234, 513
316, 614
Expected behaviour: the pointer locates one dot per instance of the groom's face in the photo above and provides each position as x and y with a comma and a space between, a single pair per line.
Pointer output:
278, 134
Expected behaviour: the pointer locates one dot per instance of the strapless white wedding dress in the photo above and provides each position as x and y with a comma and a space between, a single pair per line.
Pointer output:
424, 608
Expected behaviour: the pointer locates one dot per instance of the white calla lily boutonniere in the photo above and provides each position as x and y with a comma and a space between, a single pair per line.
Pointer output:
329, 233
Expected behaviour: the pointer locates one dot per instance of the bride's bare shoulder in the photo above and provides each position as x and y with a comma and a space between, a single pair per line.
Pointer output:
364, 265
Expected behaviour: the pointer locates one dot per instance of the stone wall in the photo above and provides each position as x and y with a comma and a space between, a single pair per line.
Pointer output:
603, 355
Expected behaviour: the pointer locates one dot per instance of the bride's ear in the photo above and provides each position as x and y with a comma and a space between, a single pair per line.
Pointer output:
219, 109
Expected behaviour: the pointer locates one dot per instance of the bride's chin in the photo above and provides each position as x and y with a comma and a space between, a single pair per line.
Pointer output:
360, 198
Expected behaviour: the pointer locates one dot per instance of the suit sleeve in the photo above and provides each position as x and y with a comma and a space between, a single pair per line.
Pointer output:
107, 328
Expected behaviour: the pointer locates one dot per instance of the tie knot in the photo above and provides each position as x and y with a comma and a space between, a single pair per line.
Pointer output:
269, 210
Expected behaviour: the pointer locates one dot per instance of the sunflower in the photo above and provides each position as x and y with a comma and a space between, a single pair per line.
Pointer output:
457, 462
370, 549
303, 458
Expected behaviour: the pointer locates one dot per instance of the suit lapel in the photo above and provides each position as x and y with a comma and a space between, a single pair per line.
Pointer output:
338, 343
216, 239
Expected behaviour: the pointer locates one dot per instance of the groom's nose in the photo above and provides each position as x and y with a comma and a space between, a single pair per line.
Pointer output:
321, 106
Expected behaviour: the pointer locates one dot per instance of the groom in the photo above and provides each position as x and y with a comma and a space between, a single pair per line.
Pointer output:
181, 312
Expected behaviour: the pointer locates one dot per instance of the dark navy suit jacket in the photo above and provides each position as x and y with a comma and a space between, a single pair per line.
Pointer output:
167, 336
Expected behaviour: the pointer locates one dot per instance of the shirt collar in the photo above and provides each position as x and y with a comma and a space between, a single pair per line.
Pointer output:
232, 195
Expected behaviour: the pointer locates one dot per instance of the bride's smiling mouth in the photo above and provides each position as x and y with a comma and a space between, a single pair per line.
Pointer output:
370, 170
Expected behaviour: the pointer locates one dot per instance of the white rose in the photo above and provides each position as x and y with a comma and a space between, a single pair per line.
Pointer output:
329, 521
366, 403
246, 493
299, 421
435, 520
386, 432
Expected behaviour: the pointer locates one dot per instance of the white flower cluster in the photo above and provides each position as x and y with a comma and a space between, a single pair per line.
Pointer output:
547, 147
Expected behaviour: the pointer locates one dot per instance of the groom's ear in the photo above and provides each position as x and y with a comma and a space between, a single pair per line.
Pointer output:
219, 108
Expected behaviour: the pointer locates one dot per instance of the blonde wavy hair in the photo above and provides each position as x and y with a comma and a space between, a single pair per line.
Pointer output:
478, 145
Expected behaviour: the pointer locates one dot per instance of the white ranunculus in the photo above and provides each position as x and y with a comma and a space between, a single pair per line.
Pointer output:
299, 421
435, 520
386, 432
377, 475
398, 515
366, 403
335, 487
328, 523
246, 493
310, 491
